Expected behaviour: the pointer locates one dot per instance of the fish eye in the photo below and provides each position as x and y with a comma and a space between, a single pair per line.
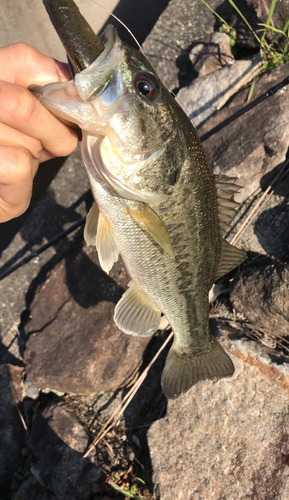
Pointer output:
147, 87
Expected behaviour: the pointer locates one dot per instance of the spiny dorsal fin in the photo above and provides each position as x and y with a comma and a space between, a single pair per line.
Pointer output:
231, 257
226, 190
148, 220
135, 314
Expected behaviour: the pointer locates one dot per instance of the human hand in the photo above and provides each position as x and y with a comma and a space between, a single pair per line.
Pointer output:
29, 133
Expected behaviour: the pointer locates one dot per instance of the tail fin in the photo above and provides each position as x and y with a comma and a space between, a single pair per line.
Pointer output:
181, 371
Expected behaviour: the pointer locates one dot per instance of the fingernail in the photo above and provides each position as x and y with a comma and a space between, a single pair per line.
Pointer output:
63, 70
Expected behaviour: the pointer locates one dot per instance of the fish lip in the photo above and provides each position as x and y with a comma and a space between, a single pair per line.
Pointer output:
93, 80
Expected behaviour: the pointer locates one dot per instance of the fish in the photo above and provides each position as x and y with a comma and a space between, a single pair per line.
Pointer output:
157, 205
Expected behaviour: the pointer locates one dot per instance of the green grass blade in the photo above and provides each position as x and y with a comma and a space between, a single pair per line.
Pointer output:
244, 19
271, 28
253, 84
286, 26
269, 18
118, 488
215, 13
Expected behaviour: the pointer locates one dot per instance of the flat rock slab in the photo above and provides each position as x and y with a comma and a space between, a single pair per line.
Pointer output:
227, 439
73, 343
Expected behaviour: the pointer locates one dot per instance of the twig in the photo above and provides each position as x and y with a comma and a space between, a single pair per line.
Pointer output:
125, 402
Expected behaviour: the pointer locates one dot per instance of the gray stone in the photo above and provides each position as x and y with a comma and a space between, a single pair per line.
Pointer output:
12, 430
60, 441
30, 390
227, 439
207, 94
73, 343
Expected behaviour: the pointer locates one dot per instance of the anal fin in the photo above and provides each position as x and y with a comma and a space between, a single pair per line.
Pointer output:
135, 314
231, 257
182, 371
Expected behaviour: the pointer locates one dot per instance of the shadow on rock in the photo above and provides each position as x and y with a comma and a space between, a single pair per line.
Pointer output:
12, 430
271, 227
260, 292
59, 442
148, 405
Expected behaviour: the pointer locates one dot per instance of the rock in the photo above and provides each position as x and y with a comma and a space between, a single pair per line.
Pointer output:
12, 430
227, 439
171, 39
60, 441
73, 343
205, 95
255, 143
31, 489
211, 54
262, 295
30, 390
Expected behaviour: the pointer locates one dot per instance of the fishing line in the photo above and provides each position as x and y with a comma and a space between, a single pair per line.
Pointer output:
252, 104
122, 23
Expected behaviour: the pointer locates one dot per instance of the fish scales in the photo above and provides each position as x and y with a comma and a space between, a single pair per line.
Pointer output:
158, 205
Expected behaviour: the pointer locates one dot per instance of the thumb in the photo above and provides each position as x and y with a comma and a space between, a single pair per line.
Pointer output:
22, 64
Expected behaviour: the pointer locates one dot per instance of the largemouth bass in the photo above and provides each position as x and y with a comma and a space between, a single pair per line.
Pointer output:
158, 205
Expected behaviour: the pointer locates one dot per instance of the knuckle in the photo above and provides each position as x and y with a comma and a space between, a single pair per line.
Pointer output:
24, 50
26, 109
24, 166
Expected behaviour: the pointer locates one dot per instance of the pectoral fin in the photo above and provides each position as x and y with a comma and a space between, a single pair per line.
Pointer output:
135, 314
148, 220
105, 244
98, 233
90, 229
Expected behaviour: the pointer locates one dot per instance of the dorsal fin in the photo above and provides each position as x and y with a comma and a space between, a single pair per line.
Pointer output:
231, 256
226, 190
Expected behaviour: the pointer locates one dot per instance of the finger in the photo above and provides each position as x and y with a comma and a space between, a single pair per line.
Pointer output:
27, 65
21, 110
9, 136
16, 172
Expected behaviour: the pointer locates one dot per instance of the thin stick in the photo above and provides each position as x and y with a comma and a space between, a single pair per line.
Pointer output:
126, 401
